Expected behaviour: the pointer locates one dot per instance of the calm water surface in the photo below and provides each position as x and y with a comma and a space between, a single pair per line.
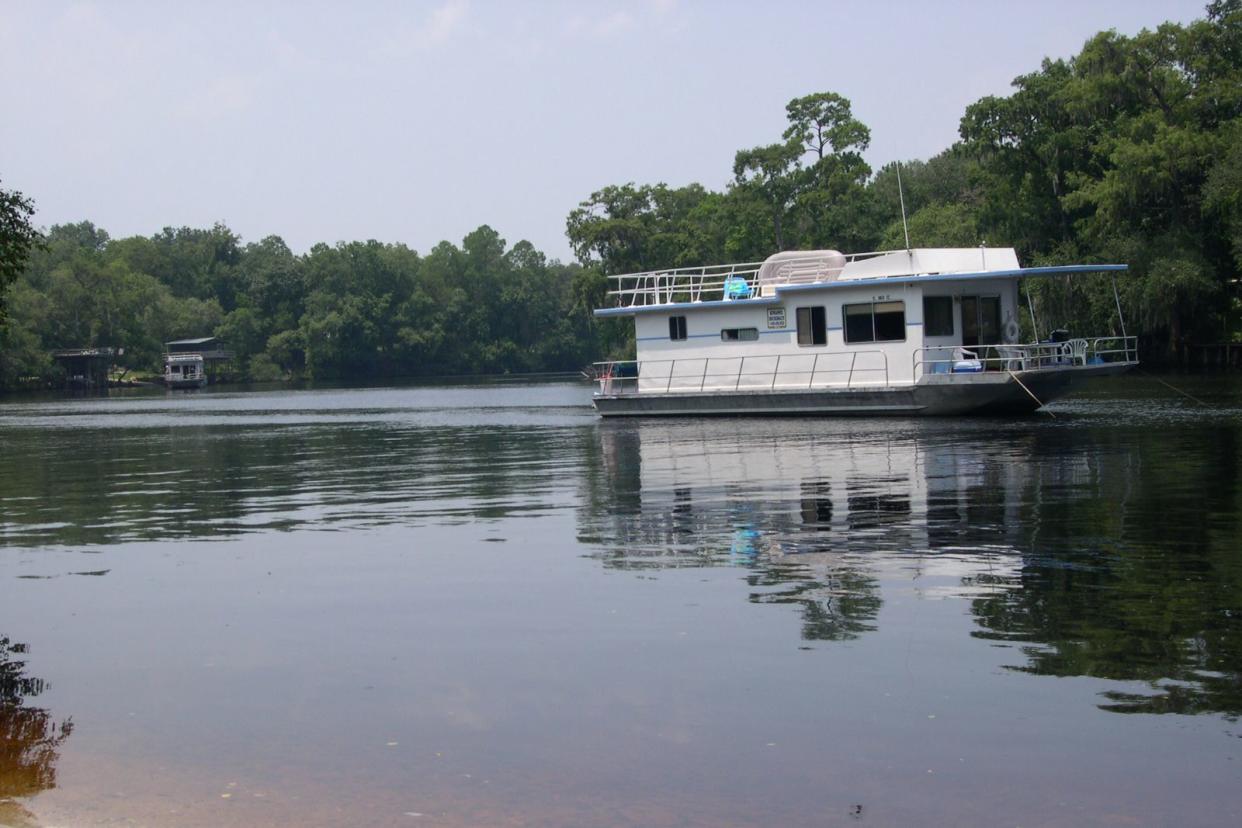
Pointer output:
480, 605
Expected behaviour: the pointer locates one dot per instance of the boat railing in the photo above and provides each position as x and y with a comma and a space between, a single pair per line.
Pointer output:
839, 369
727, 282
1113, 349
695, 284
954, 359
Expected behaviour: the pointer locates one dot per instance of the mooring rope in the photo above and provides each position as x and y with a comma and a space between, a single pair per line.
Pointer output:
1032, 396
1175, 388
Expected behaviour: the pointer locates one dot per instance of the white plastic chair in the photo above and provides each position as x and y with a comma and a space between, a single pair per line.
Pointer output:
1013, 358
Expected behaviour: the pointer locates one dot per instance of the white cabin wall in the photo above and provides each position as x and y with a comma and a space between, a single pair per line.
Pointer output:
673, 364
703, 326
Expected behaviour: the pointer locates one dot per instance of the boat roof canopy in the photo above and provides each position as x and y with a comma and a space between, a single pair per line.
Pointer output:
202, 340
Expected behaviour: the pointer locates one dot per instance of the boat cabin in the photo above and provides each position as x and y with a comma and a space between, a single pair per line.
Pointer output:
185, 370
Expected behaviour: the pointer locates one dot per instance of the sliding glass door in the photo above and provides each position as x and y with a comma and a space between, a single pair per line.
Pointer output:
981, 320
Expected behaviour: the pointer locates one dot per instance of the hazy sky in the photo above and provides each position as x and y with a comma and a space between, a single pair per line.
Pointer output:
418, 121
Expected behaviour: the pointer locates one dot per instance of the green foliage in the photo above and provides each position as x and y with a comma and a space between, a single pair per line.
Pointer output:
824, 124
949, 179
361, 309
1128, 152
777, 201
768, 176
17, 238
262, 368
23, 358
1222, 192
627, 228
936, 225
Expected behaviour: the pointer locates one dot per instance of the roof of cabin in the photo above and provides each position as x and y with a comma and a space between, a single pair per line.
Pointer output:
205, 340
88, 353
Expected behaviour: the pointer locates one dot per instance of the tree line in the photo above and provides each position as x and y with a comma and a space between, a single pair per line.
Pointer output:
356, 309
1130, 151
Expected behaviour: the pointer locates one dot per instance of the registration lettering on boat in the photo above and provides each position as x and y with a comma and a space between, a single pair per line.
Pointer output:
776, 319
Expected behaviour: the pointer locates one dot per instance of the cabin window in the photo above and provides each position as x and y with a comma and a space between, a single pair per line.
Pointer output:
875, 322
676, 328
812, 326
739, 334
938, 316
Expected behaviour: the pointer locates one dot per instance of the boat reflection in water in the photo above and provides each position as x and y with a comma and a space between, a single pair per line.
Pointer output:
30, 737
1067, 550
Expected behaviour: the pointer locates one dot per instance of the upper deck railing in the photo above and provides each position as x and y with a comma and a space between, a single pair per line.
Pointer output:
730, 281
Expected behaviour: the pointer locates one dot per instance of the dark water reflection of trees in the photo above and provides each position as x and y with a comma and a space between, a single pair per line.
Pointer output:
97, 486
1110, 552
1146, 588
30, 736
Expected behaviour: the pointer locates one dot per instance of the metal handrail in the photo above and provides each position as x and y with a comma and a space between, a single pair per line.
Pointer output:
707, 283
658, 287
1032, 356
1129, 347
614, 379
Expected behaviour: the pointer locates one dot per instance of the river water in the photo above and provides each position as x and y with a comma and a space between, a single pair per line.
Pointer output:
479, 605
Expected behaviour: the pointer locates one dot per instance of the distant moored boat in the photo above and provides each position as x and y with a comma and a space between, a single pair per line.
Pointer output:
184, 371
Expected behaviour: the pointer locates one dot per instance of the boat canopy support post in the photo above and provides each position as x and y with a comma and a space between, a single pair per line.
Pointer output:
1030, 305
1120, 316
901, 195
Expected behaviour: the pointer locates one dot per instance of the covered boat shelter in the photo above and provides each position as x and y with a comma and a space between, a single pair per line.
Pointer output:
210, 348
86, 367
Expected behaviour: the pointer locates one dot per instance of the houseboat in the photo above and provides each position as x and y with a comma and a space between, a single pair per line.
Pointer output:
929, 331
192, 363
184, 371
